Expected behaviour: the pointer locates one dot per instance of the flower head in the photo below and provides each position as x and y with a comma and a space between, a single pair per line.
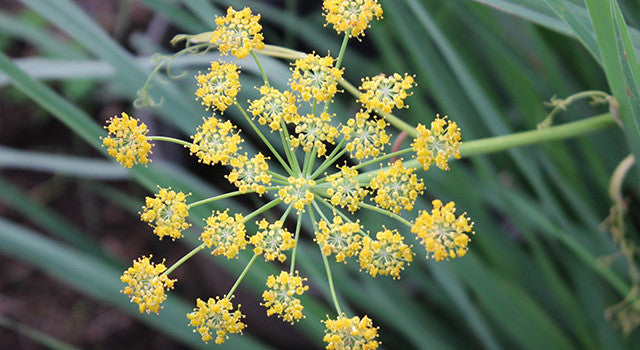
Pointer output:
216, 315
442, 233
366, 136
273, 107
225, 234
126, 141
146, 285
396, 187
281, 298
385, 93
218, 88
215, 141
298, 192
385, 255
238, 32
438, 144
271, 240
315, 77
353, 14
350, 333
345, 190
166, 213
339, 238
313, 131
250, 174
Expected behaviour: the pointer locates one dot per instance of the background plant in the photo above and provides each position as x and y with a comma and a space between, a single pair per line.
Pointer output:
542, 273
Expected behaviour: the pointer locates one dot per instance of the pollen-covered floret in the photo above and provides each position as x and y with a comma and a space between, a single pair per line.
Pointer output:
218, 88
385, 255
313, 131
281, 298
250, 174
315, 77
350, 333
442, 233
216, 316
297, 192
215, 141
225, 234
385, 93
126, 141
438, 144
271, 240
366, 136
238, 32
396, 187
166, 213
345, 190
339, 238
146, 285
273, 107
352, 14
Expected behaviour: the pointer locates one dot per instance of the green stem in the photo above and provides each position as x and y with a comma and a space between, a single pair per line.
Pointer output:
244, 272
184, 258
561, 104
169, 139
326, 267
262, 209
264, 139
328, 162
385, 212
264, 75
335, 210
295, 247
286, 143
213, 199
381, 158
343, 47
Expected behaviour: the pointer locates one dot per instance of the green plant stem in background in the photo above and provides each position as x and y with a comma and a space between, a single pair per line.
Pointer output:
169, 139
262, 209
184, 258
385, 212
244, 272
264, 75
295, 247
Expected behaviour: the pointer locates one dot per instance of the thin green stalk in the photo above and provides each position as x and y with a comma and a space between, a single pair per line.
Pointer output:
264, 75
244, 272
295, 247
327, 162
327, 268
183, 259
385, 212
213, 199
312, 160
343, 47
169, 139
264, 139
278, 176
262, 209
381, 158
335, 210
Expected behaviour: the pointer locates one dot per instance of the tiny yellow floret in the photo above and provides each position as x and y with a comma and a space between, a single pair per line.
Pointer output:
215, 142
350, 333
126, 141
314, 131
145, 284
352, 14
166, 213
396, 187
384, 93
438, 144
274, 107
315, 77
443, 234
216, 316
250, 174
366, 136
271, 240
345, 190
238, 32
385, 255
225, 234
339, 238
297, 192
281, 298
219, 88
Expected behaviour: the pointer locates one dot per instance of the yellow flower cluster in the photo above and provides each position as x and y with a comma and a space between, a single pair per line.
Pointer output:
126, 141
366, 136
281, 298
313, 131
238, 32
274, 107
225, 234
345, 190
315, 77
338, 238
345, 333
216, 315
250, 174
166, 213
385, 93
438, 144
385, 255
271, 240
297, 192
146, 285
218, 88
397, 187
352, 14
442, 233
215, 141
